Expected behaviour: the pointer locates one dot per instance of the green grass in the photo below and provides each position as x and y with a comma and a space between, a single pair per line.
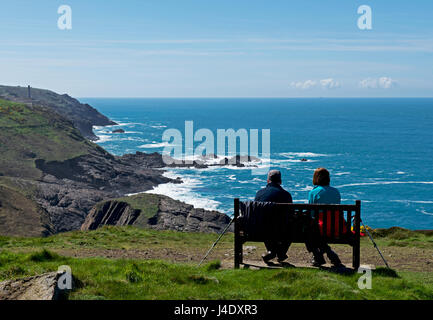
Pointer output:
29, 133
102, 278
108, 278
399, 237
131, 237
109, 237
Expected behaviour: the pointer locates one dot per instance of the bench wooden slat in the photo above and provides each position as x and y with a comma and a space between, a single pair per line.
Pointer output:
332, 222
341, 224
324, 224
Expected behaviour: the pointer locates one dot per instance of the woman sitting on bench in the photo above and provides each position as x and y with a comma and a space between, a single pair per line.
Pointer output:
323, 193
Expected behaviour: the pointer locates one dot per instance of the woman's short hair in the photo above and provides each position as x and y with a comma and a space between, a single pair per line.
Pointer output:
321, 177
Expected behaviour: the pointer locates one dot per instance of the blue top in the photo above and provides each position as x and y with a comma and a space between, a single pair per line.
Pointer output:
324, 195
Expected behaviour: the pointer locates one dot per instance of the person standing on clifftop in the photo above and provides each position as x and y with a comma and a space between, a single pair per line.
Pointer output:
274, 193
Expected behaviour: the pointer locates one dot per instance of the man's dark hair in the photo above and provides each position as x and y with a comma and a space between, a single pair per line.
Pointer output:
274, 176
321, 177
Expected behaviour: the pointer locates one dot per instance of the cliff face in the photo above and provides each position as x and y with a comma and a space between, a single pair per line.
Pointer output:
154, 211
51, 176
69, 189
83, 116
176, 215
114, 213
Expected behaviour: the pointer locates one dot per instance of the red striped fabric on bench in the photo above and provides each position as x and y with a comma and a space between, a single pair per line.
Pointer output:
328, 224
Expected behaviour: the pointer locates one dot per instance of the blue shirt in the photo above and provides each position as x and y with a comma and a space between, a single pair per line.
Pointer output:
324, 195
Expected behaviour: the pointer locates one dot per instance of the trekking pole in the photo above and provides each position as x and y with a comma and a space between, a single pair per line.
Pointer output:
215, 243
375, 245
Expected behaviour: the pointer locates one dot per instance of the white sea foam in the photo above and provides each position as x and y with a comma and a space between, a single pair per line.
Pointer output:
126, 124
354, 199
158, 127
425, 212
155, 145
413, 201
185, 191
104, 138
341, 173
280, 161
120, 123
304, 189
302, 154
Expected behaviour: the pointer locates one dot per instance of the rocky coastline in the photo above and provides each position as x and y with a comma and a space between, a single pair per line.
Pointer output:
58, 195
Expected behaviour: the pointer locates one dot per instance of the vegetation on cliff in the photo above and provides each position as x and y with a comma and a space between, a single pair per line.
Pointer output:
29, 133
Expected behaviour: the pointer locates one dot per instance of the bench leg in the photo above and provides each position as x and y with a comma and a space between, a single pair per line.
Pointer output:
238, 252
356, 256
357, 243
238, 241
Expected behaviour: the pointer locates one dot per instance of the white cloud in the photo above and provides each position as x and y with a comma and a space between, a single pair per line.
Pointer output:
308, 84
380, 83
330, 83
386, 83
304, 85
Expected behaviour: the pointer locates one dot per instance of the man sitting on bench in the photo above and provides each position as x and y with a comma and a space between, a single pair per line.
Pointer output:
274, 193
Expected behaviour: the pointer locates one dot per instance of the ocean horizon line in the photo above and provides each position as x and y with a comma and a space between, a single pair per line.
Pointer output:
263, 98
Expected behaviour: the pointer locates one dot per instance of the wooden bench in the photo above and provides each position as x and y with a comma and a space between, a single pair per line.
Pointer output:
339, 231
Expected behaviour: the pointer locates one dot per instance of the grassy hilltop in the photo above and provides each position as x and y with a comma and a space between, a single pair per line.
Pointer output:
31, 132
83, 116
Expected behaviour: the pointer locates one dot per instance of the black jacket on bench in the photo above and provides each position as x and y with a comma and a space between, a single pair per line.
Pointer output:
273, 193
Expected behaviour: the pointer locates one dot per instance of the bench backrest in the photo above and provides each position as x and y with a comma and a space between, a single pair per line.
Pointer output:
337, 223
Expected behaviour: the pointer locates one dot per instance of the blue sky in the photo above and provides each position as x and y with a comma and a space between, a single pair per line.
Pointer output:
204, 48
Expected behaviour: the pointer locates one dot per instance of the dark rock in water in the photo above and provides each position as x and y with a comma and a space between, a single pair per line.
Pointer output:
158, 212
239, 161
40, 287
119, 131
304, 160
144, 160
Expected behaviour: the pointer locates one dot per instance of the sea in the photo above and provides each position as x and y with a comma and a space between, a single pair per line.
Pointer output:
378, 150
